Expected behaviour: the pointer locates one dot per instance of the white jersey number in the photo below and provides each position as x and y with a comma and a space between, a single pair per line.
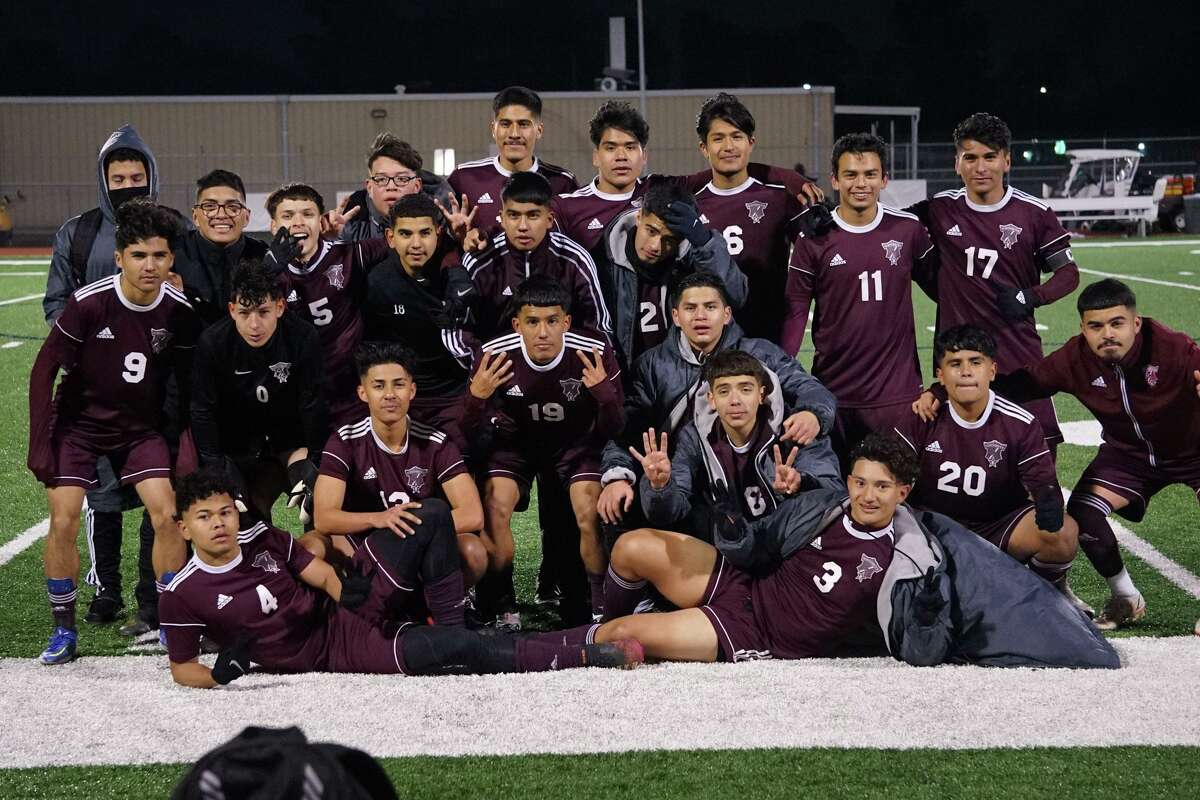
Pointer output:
974, 479
266, 599
394, 499
320, 314
987, 260
733, 239
755, 501
135, 368
548, 412
875, 278
826, 582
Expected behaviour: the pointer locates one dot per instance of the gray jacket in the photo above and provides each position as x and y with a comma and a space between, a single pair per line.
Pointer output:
369, 223
60, 282
667, 377
619, 280
983, 606
696, 471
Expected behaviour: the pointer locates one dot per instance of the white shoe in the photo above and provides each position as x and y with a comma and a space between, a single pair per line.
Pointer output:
508, 622
1120, 611
1078, 602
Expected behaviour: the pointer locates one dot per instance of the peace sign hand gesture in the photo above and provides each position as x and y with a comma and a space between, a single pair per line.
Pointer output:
458, 216
335, 219
787, 477
593, 373
655, 462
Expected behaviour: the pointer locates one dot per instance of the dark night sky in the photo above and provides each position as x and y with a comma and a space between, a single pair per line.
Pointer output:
1113, 71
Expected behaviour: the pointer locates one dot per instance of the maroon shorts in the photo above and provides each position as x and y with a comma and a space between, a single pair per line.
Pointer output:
851, 425
141, 459
1136, 480
354, 645
999, 531
730, 609
1046, 416
441, 413
572, 465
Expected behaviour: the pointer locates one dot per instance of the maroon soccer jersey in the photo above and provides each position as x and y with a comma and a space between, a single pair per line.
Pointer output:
117, 357
823, 592
1007, 244
549, 407
483, 180
758, 222
328, 291
584, 214
258, 593
377, 478
977, 472
861, 279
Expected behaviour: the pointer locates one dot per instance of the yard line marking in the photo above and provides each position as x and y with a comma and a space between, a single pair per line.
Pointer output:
22, 274
1184, 271
1172, 284
22, 262
1164, 243
23, 541
9, 345
24, 299
1171, 570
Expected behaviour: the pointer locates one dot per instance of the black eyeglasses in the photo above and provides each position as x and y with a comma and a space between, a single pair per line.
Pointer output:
400, 180
211, 207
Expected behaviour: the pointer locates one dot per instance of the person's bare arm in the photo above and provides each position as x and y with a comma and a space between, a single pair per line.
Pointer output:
465, 505
194, 674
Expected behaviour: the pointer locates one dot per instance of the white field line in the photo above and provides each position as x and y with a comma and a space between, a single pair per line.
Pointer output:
24, 299
9, 345
24, 540
1156, 243
125, 710
23, 262
22, 274
1139, 278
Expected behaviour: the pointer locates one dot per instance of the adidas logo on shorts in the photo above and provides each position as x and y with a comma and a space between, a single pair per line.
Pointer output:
1098, 383
954, 231
486, 197
223, 600
515, 391
594, 225
933, 447
837, 260
369, 475
105, 334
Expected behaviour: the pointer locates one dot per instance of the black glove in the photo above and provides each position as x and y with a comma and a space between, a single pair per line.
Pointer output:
234, 661
684, 219
726, 521
815, 220
283, 250
460, 296
302, 475
1048, 509
231, 470
929, 600
1015, 303
356, 587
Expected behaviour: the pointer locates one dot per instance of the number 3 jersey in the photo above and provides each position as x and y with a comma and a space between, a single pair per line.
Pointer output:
978, 472
861, 278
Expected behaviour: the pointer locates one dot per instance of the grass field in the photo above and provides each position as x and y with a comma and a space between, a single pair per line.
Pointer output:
1168, 287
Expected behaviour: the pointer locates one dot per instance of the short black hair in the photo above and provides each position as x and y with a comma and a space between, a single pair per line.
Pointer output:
141, 218
388, 145
728, 363
527, 187
660, 194
372, 354
701, 279
125, 154
201, 485
252, 284
963, 337
294, 191
889, 450
622, 116
517, 96
859, 143
540, 291
984, 128
724, 106
1105, 294
221, 177
412, 206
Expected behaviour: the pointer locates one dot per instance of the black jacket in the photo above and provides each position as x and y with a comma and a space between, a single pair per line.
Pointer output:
207, 269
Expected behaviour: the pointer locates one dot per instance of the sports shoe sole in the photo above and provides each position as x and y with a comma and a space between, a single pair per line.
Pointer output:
1105, 622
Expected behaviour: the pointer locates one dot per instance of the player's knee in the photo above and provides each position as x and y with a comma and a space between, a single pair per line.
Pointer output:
473, 556
633, 550
435, 513
1063, 545
64, 522
622, 628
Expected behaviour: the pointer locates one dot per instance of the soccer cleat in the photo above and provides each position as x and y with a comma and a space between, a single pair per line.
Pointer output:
621, 654
105, 608
1078, 601
508, 622
548, 595
140, 625
61, 648
1120, 611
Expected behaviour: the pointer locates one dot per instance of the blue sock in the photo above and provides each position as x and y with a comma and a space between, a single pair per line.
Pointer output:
162, 583
62, 592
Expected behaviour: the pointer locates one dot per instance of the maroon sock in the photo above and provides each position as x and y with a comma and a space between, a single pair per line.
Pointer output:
445, 599
1053, 572
621, 596
596, 585
535, 654
1096, 536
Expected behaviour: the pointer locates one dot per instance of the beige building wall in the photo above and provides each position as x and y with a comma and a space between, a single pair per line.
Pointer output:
48, 145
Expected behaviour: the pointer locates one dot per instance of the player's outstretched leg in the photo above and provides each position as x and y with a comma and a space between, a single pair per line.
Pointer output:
1091, 505
61, 559
434, 650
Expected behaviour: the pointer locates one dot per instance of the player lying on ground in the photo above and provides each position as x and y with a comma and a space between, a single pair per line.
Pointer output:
377, 473
730, 449
265, 599
1141, 380
985, 463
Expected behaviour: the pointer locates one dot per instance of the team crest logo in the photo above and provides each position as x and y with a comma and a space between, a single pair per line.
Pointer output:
1009, 235
757, 210
416, 478
892, 249
264, 561
993, 451
337, 279
570, 387
867, 568
281, 370
1151, 374
159, 339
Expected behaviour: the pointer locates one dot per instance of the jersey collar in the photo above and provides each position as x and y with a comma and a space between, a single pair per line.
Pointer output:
870, 226
746, 184
132, 306
383, 446
854, 530
209, 568
508, 173
614, 198
987, 209
983, 418
543, 367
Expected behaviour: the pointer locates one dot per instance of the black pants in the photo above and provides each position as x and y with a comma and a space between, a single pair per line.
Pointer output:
104, 529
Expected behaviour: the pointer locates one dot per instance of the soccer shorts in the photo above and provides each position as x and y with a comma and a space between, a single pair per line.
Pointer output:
1047, 417
730, 610
133, 462
1136, 480
441, 413
851, 425
571, 465
354, 645
999, 531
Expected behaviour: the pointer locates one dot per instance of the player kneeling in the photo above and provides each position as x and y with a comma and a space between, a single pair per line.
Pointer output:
265, 599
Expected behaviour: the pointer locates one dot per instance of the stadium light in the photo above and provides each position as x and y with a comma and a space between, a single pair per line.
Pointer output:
1027, 155
806, 86
1142, 146
1060, 147
1042, 90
